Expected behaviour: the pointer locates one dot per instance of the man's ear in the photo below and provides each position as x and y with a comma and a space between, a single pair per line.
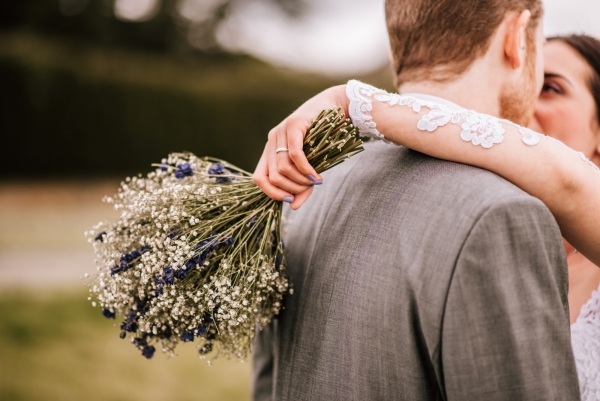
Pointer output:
515, 44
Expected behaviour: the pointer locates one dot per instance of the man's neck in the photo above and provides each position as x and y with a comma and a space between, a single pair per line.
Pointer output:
475, 90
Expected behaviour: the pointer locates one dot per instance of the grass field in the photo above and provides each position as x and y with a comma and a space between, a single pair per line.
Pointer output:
55, 346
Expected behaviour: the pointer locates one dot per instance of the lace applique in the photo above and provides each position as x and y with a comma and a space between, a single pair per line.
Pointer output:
437, 118
529, 136
482, 130
360, 107
585, 338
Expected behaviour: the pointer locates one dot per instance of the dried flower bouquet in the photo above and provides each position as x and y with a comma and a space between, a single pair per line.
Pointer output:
197, 251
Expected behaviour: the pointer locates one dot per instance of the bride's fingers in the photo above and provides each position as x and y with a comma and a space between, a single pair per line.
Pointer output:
301, 198
261, 179
295, 143
275, 177
285, 166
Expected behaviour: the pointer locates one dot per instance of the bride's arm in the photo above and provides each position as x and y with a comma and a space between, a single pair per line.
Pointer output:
547, 170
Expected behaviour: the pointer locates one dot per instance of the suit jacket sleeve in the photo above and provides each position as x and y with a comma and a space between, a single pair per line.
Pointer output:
263, 365
505, 331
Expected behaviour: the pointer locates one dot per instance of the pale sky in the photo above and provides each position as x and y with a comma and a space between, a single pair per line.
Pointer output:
349, 36
334, 36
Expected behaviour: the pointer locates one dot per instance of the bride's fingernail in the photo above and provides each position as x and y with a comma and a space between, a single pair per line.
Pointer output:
310, 186
311, 177
318, 182
288, 199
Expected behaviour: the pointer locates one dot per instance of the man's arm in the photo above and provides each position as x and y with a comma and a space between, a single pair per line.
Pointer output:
505, 332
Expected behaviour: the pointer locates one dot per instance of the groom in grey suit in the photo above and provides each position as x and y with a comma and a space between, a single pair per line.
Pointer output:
421, 279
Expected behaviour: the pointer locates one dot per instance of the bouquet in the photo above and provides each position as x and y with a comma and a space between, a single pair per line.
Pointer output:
197, 252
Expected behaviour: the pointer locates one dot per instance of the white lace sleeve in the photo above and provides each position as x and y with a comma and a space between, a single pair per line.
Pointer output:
479, 129
360, 107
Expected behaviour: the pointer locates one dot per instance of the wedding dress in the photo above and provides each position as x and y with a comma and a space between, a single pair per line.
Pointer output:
585, 337
485, 131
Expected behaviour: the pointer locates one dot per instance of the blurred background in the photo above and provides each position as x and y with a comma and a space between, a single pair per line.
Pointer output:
94, 90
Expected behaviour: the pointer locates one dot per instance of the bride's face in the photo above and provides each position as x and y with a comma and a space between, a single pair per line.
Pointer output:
565, 108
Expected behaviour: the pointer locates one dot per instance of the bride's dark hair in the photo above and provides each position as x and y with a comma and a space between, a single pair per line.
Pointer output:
440, 39
589, 48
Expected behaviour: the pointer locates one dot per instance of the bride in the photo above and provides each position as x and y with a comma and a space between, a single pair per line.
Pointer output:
568, 182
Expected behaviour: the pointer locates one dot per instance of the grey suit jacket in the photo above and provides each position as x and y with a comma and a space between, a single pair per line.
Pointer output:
419, 279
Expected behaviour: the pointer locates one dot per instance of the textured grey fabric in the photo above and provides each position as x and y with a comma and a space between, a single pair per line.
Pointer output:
419, 279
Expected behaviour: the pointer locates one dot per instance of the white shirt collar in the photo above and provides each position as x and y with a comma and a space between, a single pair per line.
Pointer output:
431, 98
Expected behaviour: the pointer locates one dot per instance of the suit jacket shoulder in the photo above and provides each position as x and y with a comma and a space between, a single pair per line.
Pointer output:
371, 257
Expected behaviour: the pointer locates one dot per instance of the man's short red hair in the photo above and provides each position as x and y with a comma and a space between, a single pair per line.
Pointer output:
440, 39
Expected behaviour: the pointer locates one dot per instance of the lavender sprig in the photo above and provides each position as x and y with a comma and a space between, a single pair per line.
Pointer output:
197, 252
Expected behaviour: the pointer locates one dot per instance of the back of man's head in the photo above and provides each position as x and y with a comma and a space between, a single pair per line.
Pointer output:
439, 39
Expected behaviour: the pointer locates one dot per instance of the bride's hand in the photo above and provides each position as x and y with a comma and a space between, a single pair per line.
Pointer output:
287, 175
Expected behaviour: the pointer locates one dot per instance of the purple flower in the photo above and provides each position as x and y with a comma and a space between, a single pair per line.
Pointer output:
223, 179
148, 351
164, 167
184, 170
208, 248
145, 249
126, 257
159, 282
173, 234
201, 330
140, 342
216, 168
227, 241
129, 324
187, 337
180, 274
169, 275
207, 318
108, 314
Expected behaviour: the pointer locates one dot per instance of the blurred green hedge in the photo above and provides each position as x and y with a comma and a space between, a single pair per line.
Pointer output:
69, 109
